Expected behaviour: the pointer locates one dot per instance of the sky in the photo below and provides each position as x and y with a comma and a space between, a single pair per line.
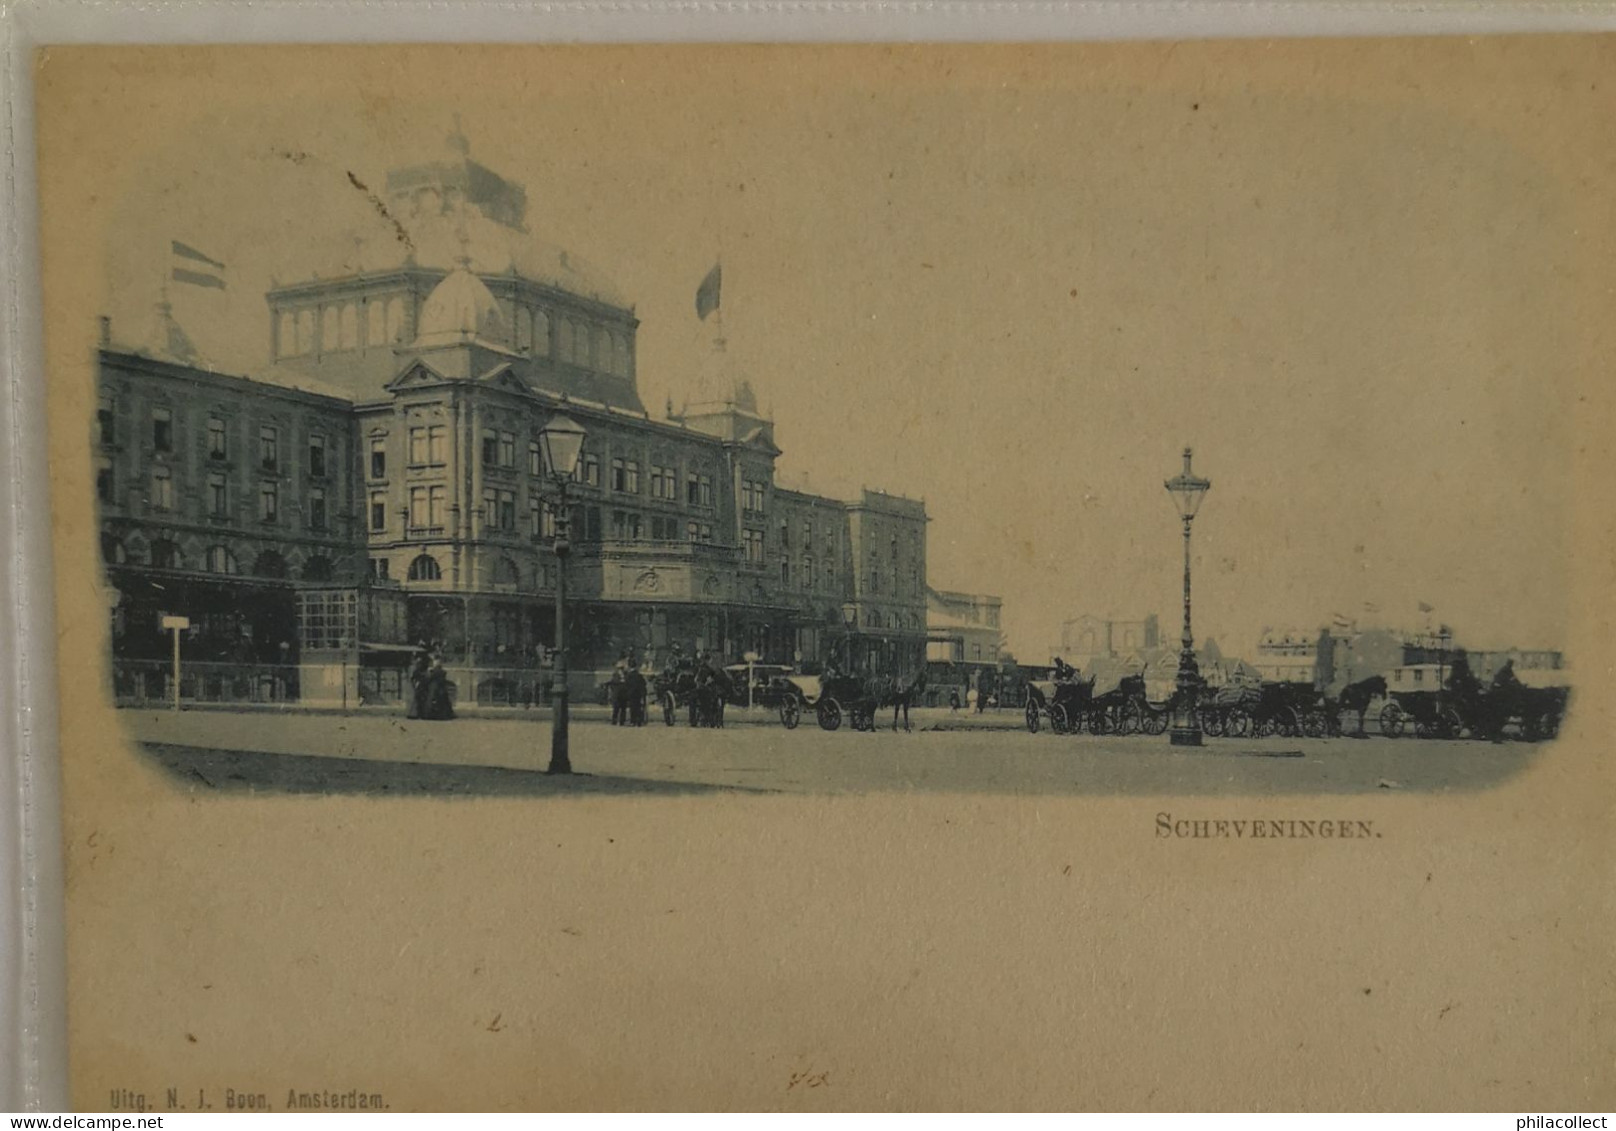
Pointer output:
1017, 292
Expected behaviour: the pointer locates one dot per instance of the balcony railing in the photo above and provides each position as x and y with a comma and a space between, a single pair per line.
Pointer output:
421, 533
677, 548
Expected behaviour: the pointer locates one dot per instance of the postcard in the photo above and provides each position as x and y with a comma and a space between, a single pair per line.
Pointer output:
834, 577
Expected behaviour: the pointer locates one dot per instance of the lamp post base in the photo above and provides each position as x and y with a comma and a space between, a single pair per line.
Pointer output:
1185, 736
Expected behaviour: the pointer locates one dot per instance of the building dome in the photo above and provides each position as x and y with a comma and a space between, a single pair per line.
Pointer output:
461, 307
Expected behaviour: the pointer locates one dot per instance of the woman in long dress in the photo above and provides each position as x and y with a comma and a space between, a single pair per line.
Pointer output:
438, 705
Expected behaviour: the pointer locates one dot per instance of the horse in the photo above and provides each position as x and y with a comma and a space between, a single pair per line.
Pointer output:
887, 691
1358, 696
713, 690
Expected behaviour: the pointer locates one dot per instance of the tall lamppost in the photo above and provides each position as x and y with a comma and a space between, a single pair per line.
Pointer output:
563, 440
849, 622
1187, 490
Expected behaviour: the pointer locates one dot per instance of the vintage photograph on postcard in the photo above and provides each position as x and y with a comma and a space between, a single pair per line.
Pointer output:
834, 577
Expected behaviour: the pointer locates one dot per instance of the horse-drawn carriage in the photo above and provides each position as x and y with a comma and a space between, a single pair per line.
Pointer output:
836, 696
1287, 709
828, 699
1071, 706
698, 690
1534, 713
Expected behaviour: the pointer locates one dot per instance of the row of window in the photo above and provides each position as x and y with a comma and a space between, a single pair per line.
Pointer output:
876, 582
216, 498
753, 495
218, 439
429, 447
165, 554
424, 567
874, 618
337, 328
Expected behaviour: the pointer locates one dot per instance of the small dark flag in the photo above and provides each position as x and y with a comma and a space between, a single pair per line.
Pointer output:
191, 266
707, 293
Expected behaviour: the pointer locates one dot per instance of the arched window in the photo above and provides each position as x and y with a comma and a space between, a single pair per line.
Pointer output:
305, 331
317, 568
286, 339
166, 555
220, 560
601, 357
564, 340
395, 319
112, 551
506, 575
541, 333
375, 323
268, 564
330, 332
425, 568
524, 329
350, 327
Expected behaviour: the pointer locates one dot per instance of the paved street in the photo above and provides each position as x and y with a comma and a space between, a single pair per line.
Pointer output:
501, 755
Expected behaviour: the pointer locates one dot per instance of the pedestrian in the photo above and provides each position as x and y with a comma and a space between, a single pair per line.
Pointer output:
614, 696
636, 691
618, 690
953, 701
420, 664
439, 703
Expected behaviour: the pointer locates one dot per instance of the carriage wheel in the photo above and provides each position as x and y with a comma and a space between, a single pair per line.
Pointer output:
1238, 724
1100, 721
1449, 724
1392, 720
1128, 720
1155, 721
829, 713
1059, 722
1315, 725
669, 708
1289, 722
1032, 717
1262, 727
790, 712
1212, 721
1547, 725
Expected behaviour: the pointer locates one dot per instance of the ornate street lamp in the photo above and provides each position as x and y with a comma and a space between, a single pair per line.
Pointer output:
563, 441
1187, 490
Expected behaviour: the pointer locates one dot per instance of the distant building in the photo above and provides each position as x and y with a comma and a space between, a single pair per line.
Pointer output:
1409, 659
1086, 639
1288, 655
963, 628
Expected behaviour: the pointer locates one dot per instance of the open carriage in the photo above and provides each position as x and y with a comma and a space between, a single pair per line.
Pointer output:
1071, 706
829, 699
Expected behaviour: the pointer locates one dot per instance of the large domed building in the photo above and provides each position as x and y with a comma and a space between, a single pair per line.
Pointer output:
384, 483
569, 330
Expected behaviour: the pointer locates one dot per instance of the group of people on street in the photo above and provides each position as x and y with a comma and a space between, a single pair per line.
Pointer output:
430, 695
627, 691
979, 695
